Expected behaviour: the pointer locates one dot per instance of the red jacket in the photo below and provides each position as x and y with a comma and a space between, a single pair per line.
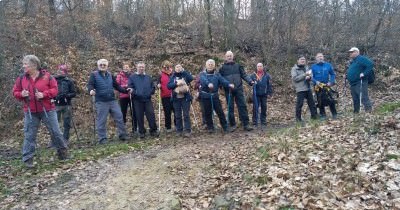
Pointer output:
122, 80
164, 79
44, 83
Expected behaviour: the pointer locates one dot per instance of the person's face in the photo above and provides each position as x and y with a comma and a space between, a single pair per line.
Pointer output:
229, 56
140, 68
178, 68
125, 68
210, 66
301, 61
103, 66
319, 58
259, 67
28, 66
353, 54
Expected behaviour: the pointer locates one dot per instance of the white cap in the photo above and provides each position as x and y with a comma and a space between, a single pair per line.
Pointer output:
354, 49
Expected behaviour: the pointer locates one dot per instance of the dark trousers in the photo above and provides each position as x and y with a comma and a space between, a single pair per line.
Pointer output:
310, 101
64, 113
203, 113
124, 103
332, 107
145, 108
182, 106
357, 91
261, 102
168, 109
215, 104
237, 96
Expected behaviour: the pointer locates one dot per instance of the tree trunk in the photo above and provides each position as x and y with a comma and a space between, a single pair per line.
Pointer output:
229, 15
208, 32
52, 9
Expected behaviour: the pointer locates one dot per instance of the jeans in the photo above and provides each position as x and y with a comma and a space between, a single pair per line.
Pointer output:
215, 104
237, 96
102, 110
261, 101
145, 108
310, 101
332, 107
181, 105
65, 113
124, 103
356, 90
168, 108
31, 127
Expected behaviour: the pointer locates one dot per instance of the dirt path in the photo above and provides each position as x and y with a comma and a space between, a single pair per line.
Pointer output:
140, 180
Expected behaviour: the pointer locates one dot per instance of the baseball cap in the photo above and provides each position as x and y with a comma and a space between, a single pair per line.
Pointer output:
354, 49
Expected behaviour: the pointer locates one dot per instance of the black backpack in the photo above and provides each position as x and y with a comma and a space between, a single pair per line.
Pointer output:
371, 77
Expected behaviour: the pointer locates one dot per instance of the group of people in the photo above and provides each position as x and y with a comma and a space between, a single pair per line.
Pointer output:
48, 99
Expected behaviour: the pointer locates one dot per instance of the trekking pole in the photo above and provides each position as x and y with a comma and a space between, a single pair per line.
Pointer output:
255, 104
41, 103
29, 108
212, 108
361, 92
94, 118
73, 123
194, 115
131, 102
345, 91
159, 110
229, 104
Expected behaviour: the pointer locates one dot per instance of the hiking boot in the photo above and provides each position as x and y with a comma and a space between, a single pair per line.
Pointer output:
334, 117
103, 141
123, 137
168, 130
63, 154
233, 127
154, 133
29, 163
322, 118
228, 130
211, 131
141, 135
178, 134
248, 128
187, 134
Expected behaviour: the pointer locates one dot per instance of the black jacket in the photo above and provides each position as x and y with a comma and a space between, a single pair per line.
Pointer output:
234, 73
66, 91
142, 85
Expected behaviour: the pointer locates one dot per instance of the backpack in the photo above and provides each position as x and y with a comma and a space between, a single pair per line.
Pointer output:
371, 77
325, 95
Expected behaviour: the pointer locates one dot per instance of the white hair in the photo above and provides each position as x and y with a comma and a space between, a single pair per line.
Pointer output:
228, 52
210, 61
102, 61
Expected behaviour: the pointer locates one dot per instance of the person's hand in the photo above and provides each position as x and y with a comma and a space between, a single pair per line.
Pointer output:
180, 82
211, 86
329, 84
362, 75
317, 83
39, 95
92, 92
231, 86
24, 93
130, 90
252, 83
308, 72
308, 77
159, 85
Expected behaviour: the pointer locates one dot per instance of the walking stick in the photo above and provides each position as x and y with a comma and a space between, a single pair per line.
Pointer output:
29, 108
361, 92
159, 110
73, 123
345, 91
229, 104
255, 104
194, 115
94, 118
133, 120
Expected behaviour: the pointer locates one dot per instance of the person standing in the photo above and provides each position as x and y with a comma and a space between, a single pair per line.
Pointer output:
166, 94
36, 88
359, 70
301, 78
263, 90
142, 89
234, 73
101, 85
181, 99
323, 74
210, 81
66, 91
125, 99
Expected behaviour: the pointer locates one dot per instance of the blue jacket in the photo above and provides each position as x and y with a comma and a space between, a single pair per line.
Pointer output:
216, 79
323, 72
142, 85
263, 86
358, 65
177, 76
104, 84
